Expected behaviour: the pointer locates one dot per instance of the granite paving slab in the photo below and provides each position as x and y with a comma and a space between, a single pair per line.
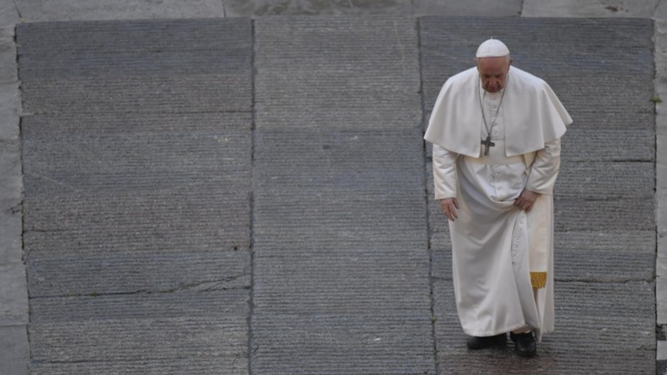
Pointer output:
338, 169
14, 350
137, 201
379, 343
210, 324
10, 107
590, 8
132, 272
11, 246
14, 298
11, 185
7, 55
139, 339
337, 73
66, 10
170, 366
9, 15
159, 78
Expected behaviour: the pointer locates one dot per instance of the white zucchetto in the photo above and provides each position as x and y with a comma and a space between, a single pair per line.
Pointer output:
492, 48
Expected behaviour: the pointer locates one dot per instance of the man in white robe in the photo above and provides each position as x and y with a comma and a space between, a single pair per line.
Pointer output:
496, 132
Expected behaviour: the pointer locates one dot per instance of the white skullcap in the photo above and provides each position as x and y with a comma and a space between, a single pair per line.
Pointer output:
492, 48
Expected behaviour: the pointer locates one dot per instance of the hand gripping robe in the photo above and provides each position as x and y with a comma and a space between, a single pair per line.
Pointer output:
502, 257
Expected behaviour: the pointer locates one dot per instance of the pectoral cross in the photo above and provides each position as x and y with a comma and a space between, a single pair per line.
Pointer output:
487, 143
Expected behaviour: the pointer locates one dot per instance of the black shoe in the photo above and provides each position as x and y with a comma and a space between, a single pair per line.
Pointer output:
524, 344
476, 343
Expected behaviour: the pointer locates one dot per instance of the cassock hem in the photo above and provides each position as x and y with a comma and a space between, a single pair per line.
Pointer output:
495, 332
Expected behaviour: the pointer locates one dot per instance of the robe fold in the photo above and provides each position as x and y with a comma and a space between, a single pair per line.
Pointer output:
497, 249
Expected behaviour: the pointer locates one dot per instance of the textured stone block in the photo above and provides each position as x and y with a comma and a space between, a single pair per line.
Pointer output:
11, 184
8, 68
13, 295
11, 246
622, 214
88, 74
606, 180
10, 108
337, 73
14, 350
69, 10
465, 8
141, 339
382, 342
232, 365
134, 272
589, 8
9, 15
261, 8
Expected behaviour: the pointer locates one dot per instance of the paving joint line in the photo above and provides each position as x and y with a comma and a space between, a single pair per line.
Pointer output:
429, 233
251, 240
20, 207
659, 331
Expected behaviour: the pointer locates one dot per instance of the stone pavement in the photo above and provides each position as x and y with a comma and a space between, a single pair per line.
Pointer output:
216, 191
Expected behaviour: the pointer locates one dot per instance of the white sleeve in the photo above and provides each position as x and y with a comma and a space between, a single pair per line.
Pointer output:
543, 172
445, 179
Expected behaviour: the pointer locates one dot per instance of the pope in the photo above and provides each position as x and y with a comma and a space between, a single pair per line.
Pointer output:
496, 133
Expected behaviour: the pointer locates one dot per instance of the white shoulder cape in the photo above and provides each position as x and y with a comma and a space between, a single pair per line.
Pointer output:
533, 114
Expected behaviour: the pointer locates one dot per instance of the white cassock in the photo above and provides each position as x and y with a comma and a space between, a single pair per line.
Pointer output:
502, 257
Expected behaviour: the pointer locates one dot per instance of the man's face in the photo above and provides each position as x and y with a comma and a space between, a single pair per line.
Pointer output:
493, 72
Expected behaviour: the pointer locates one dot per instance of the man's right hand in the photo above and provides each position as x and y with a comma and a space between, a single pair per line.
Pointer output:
449, 206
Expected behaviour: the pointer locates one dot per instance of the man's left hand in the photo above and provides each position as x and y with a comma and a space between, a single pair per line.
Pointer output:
526, 200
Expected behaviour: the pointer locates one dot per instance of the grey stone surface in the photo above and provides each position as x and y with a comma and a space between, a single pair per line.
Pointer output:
70, 10
8, 73
137, 272
601, 327
484, 8
341, 262
415, 8
617, 214
14, 350
337, 73
589, 8
10, 110
11, 250
210, 366
164, 333
260, 8
175, 325
11, 185
56, 78
661, 169
601, 179
140, 339
660, 13
137, 201
13, 295
589, 144
9, 15
214, 303
378, 343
